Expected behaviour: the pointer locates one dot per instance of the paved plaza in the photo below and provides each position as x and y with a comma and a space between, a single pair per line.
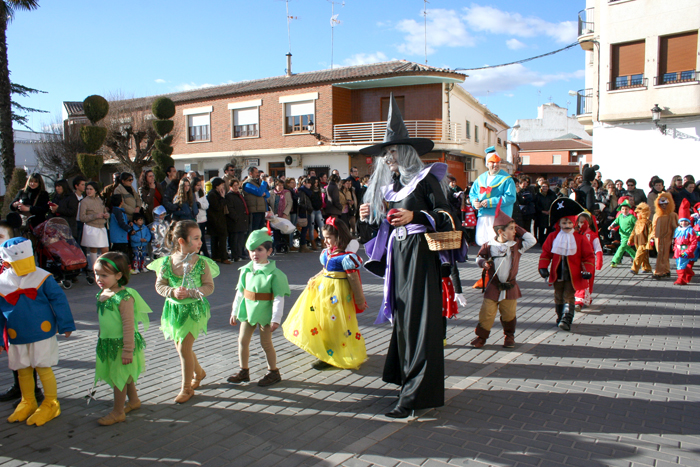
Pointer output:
622, 389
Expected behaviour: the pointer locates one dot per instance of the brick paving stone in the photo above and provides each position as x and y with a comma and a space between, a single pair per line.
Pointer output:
620, 389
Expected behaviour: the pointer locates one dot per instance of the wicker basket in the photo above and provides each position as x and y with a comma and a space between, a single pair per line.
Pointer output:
440, 241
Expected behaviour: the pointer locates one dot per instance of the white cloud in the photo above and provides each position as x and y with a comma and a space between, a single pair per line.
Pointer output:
444, 28
160, 81
495, 21
507, 78
363, 59
514, 44
192, 86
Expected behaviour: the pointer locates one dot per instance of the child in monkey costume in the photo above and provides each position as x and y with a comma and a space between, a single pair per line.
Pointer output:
662, 228
640, 239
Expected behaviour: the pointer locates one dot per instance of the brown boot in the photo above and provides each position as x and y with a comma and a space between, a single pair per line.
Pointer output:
272, 377
509, 332
304, 249
481, 335
242, 376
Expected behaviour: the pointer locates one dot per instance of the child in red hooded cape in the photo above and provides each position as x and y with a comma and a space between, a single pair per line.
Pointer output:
567, 259
588, 227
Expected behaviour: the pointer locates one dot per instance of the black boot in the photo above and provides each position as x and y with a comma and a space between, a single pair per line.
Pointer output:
13, 391
567, 318
559, 309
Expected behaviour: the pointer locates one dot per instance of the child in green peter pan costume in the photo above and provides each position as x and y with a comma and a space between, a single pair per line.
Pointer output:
259, 302
625, 220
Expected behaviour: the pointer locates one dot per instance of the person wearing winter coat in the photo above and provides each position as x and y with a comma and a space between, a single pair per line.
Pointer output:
151, 194
236, 220
216, 220
304, 214
132, 202
200, 198
333, 206
33, 200
118, 226
186, 207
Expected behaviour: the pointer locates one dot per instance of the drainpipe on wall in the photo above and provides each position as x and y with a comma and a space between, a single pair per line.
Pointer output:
448, 88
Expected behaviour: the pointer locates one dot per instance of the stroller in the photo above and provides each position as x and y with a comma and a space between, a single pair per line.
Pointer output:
58, 252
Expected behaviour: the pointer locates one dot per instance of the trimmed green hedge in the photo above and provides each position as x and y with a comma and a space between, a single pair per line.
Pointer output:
96, 108
163, 108
163, 127
162, 161
90, 165
163, 147
17, 182
93, 137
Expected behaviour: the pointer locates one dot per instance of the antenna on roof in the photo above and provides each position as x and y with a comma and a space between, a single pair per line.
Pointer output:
334, 21
425, 28
288, 71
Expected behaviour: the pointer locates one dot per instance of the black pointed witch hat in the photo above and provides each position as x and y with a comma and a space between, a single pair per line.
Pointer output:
397, 133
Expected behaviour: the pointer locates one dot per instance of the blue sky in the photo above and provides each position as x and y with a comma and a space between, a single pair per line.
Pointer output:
134, 48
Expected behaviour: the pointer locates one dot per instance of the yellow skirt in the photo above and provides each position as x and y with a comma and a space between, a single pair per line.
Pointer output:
323, 323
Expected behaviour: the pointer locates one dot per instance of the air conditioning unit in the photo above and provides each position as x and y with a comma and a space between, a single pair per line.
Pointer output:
191, 167
292, 161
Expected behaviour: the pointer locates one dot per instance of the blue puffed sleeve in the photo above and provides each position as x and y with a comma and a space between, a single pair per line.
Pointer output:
351, 261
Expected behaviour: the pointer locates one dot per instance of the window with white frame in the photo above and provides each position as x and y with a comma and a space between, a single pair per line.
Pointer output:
299, 115
525, 160
556, 159
245, 118
198, 124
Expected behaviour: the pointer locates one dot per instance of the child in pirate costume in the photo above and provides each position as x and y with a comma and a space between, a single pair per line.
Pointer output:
588, 228
259, 303
685, 243
662, 228
640, 239
34, 309
501, 257
567, 259
625, 222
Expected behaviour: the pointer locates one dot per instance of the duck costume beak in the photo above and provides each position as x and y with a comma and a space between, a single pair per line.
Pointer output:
18, 252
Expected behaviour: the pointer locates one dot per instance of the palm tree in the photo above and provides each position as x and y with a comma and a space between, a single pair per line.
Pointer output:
7, 12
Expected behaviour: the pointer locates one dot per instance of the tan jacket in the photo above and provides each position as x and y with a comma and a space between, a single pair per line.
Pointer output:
255, 203
90, 209
131, 202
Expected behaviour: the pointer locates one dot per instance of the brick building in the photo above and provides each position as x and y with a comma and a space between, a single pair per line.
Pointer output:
554, 159
320, 120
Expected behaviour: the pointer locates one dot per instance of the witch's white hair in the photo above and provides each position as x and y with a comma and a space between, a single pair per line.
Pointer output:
409, 164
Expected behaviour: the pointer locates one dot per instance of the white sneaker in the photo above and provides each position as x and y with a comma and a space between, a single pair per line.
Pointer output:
134, 272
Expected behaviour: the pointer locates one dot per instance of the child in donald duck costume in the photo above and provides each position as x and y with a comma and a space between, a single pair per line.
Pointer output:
33, 309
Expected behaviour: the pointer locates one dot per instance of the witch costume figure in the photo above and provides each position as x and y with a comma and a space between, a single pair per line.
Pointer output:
415, 198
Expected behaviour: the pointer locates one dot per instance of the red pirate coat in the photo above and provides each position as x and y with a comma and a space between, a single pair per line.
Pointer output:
584, 258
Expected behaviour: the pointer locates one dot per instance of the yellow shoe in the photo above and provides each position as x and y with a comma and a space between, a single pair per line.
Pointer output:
23, 411
47, 411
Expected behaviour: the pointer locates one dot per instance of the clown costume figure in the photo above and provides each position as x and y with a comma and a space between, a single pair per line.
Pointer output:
34, 309
685, 243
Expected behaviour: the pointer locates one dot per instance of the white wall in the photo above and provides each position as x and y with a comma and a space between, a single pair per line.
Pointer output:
640, 150
551, 122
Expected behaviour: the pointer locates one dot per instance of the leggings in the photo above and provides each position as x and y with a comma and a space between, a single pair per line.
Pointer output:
244, 337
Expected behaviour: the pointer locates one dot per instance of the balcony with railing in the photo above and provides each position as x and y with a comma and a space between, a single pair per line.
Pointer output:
584, 101
373, 132
636, 81
677, 77
586, 28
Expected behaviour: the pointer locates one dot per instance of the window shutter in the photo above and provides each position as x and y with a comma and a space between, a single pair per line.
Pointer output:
628, 59
296, 109
199, 120
678, 53
245, 116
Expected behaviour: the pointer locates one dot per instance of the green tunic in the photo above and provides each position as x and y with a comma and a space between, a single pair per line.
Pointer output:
108, 364
189, 315
268, 279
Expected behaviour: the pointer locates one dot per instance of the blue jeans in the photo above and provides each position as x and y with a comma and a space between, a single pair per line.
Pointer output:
316, 221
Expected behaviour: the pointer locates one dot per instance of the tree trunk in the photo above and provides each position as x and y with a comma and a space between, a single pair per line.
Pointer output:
6, 136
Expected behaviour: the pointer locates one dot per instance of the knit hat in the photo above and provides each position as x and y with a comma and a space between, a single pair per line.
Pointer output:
18, 252
683, 211
492, 155
257, 238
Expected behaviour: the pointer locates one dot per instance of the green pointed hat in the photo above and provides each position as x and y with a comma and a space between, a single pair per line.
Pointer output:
624, 203
257, 238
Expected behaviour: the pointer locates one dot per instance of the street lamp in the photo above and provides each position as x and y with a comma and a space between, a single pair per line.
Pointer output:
656, 116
